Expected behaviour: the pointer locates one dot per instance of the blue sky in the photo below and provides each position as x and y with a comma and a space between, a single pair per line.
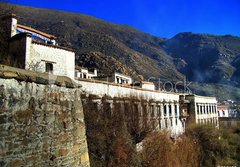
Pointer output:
164, 18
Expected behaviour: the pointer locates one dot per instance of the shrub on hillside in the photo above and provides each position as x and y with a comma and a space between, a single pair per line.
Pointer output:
212, 148
160, 150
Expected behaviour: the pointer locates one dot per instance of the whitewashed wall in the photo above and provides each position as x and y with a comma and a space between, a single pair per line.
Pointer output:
36, 54
115, 90
102, 88
223, 113
209, 113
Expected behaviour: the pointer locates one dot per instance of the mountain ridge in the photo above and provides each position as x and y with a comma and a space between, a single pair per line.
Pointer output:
128, 45
221, 52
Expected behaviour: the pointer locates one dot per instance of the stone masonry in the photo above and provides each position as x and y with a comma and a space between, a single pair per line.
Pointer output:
40, 124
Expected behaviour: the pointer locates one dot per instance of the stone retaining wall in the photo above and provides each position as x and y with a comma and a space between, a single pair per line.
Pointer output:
40, 124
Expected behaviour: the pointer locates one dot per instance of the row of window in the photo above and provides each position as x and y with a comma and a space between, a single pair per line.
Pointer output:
164, 124
206, 110
166, 108
211, 121
122, 80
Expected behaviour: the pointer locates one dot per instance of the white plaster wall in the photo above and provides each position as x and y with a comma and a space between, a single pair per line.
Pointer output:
226, 114
203, 100
28, 57
64, 60
123, 77
207, 100
13, 27
148, 86
113, 90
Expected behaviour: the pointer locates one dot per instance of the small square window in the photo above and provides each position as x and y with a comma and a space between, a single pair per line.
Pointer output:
49, 68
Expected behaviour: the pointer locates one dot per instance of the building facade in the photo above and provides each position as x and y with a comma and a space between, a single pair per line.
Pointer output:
200, 109
81, 72
116, 78
37, 51
160, 108
222, 111
145, 85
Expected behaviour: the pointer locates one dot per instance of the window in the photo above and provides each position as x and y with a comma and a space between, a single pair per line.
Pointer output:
136, 111
49, 68
118, 81
152, 111
166, 123
160, 124
176, 110
170, 110
165, 110
159, 111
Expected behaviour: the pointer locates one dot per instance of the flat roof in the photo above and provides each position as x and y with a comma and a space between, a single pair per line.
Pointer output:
124, 85
53, 46
146, 82
198, 96
222, 107
117, 73
80, 68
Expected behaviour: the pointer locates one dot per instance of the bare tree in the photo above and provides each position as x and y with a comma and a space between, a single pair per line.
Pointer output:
160, 150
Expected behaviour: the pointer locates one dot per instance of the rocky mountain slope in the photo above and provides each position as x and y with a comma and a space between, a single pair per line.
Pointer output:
208, 58
111, 47
108, 47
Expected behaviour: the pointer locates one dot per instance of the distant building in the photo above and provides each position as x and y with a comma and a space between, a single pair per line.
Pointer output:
145, 85
222, 111
37, 51
116, 78
200, 109
81, 72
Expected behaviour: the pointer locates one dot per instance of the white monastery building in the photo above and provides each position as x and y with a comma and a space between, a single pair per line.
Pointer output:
222, 111
145, 85
37, 51
201, 109
81, 72
116, 78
